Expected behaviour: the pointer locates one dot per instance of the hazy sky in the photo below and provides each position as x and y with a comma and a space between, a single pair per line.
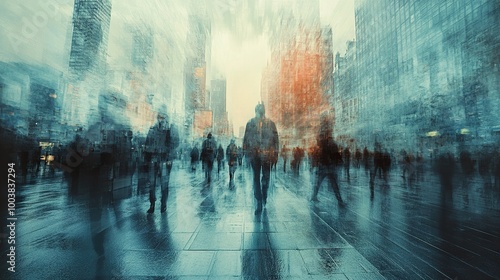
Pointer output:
241, 57
39, 31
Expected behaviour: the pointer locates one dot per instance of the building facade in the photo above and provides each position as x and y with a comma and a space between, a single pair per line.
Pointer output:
297, 80
87, 61
218, 106
425, 73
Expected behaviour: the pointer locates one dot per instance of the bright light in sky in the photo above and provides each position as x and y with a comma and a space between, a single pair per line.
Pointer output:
239, 42
241, 63
240, 58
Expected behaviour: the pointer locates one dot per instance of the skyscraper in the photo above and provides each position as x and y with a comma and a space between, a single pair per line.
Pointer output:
91, 21
195, 68
87, 61
298, 66
424, 67
218, 104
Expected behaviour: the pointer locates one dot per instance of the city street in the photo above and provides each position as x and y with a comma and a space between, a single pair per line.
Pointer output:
404, 229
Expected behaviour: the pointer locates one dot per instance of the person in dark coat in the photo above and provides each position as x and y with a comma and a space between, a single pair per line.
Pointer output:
260, 144
346, 154
284, 155
328, 159
161, 142
232, 160
208, 153
195, 156
220, 157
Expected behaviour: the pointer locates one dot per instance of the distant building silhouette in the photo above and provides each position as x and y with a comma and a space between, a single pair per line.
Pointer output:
91, 21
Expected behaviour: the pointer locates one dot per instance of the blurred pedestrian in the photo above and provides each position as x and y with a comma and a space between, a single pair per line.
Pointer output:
195, 156
445, 166
260, 143
240, 156
208, 153
358, 156
284, 155
220, 158
381, 163
467, 163
328, 160
346, 154
232, 160
367, 159
160, 145
35, 159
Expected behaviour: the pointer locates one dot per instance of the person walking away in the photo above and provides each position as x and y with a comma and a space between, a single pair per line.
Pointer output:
195, 156
328, 160
208, 151
161, 142
357, 157
220, 158
260, 143
347, 162
284, 155
232, 161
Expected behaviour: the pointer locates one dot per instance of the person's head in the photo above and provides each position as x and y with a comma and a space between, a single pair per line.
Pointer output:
209, 135
260, 110
232, 141
162, 115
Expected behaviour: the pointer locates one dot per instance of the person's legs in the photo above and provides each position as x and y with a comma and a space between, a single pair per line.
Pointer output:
266, 175
257, 191
152, 172
321, 177
333, 181
209, 168
165, 179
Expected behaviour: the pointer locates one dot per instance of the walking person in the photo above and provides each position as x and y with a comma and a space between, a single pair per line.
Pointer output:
347, 162
328, 160
208, 153
161, 142
260, 143
232, 161
195, 156
284, 155
220, 158
357, 158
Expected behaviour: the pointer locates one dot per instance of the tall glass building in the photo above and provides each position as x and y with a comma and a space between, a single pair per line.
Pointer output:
426, 72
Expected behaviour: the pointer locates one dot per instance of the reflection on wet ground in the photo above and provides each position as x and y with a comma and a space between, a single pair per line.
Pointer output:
408, 229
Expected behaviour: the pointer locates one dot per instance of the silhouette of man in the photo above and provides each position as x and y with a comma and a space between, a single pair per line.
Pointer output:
195, 155
208, 153
232, 160
328, 159
220, 158
161, 142
260, 143
284, 155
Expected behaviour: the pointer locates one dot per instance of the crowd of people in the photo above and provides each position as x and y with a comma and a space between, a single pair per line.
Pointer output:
104, 157
108, 152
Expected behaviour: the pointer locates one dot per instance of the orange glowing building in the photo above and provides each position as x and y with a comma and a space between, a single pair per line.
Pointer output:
293, 84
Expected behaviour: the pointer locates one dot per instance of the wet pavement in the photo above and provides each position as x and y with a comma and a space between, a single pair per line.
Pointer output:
403, 229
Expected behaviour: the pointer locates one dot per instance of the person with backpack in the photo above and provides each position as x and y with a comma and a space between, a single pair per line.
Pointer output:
260, 144
208, 153
232, 161
159, 153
